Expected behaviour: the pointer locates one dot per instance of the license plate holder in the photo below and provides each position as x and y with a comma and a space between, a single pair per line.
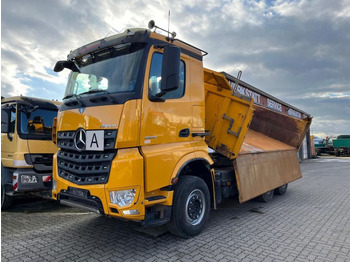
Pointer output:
95, 140
79, 192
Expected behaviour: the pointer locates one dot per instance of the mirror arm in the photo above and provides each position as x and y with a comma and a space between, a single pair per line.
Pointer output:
73, 67
156, 98
160, 46
8, 136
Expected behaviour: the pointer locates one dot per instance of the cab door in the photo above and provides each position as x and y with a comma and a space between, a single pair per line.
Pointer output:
8, 131
165, 122
167, 118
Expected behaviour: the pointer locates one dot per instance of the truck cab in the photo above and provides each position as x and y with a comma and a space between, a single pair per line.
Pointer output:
26, 146
132, 117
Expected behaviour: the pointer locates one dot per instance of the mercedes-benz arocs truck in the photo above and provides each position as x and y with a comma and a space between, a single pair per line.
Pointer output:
138, 119
26, 146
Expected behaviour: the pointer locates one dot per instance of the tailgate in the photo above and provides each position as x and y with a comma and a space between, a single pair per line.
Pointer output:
263, 164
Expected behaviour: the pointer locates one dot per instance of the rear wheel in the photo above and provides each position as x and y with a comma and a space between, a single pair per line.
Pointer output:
267, 197
281, 190
191, 206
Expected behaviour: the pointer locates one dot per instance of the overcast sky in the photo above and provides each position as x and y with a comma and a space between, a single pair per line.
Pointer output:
298, 51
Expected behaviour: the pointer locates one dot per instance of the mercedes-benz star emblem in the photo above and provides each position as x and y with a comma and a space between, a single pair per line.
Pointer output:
80, 139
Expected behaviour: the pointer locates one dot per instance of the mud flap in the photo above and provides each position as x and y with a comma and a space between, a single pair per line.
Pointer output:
260, 172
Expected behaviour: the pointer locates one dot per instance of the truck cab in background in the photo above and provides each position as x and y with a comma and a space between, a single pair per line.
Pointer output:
26, 146
341, 145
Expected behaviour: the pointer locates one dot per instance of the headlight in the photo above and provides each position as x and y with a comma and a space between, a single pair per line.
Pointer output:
25, 179
122, 198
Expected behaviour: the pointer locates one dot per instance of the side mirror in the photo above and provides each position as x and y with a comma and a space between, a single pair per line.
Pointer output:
5, 119
54, 131
60, 65
170, 69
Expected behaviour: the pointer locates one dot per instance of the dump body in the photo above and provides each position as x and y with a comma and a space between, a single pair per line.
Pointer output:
263, 144
342, 141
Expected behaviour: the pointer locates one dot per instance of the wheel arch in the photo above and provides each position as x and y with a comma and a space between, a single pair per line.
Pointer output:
199, 167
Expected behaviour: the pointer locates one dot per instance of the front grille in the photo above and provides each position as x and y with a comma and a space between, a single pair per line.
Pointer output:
65, 140
40, 162
85, 167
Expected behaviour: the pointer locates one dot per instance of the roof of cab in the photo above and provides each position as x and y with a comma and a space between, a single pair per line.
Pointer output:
133, 35
46, 103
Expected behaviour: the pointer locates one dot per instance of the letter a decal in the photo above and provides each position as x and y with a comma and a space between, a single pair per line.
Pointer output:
94, 141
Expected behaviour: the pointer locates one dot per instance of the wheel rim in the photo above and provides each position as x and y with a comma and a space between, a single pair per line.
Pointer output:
195, 207
283, 189
269, 194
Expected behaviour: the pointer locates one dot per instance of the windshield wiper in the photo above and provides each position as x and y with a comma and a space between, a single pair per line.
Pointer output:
77, 97
94, 99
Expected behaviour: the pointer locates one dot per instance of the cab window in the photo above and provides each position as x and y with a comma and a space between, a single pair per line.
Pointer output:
38, 123
155, 79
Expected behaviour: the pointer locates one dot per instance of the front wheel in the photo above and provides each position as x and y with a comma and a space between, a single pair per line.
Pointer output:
6, 201
191, 206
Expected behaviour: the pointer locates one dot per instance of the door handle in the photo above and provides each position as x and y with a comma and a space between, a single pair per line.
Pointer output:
207, 133
184, 132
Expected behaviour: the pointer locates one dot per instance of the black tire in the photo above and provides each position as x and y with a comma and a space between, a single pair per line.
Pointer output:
281, 190
191, 207
267, 197
6, 201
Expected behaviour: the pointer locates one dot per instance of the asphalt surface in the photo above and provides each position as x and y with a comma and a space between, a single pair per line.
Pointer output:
311, 222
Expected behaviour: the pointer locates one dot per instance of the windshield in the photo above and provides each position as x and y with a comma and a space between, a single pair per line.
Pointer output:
113, 70
38, 123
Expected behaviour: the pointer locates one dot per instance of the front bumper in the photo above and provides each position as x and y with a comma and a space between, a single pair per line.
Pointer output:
126, 173
73, 198
40, 182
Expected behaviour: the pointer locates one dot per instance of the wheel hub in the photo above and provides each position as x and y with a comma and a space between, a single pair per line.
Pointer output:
195, 207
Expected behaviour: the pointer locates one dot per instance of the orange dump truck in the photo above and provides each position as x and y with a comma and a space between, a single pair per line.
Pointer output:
138, 118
